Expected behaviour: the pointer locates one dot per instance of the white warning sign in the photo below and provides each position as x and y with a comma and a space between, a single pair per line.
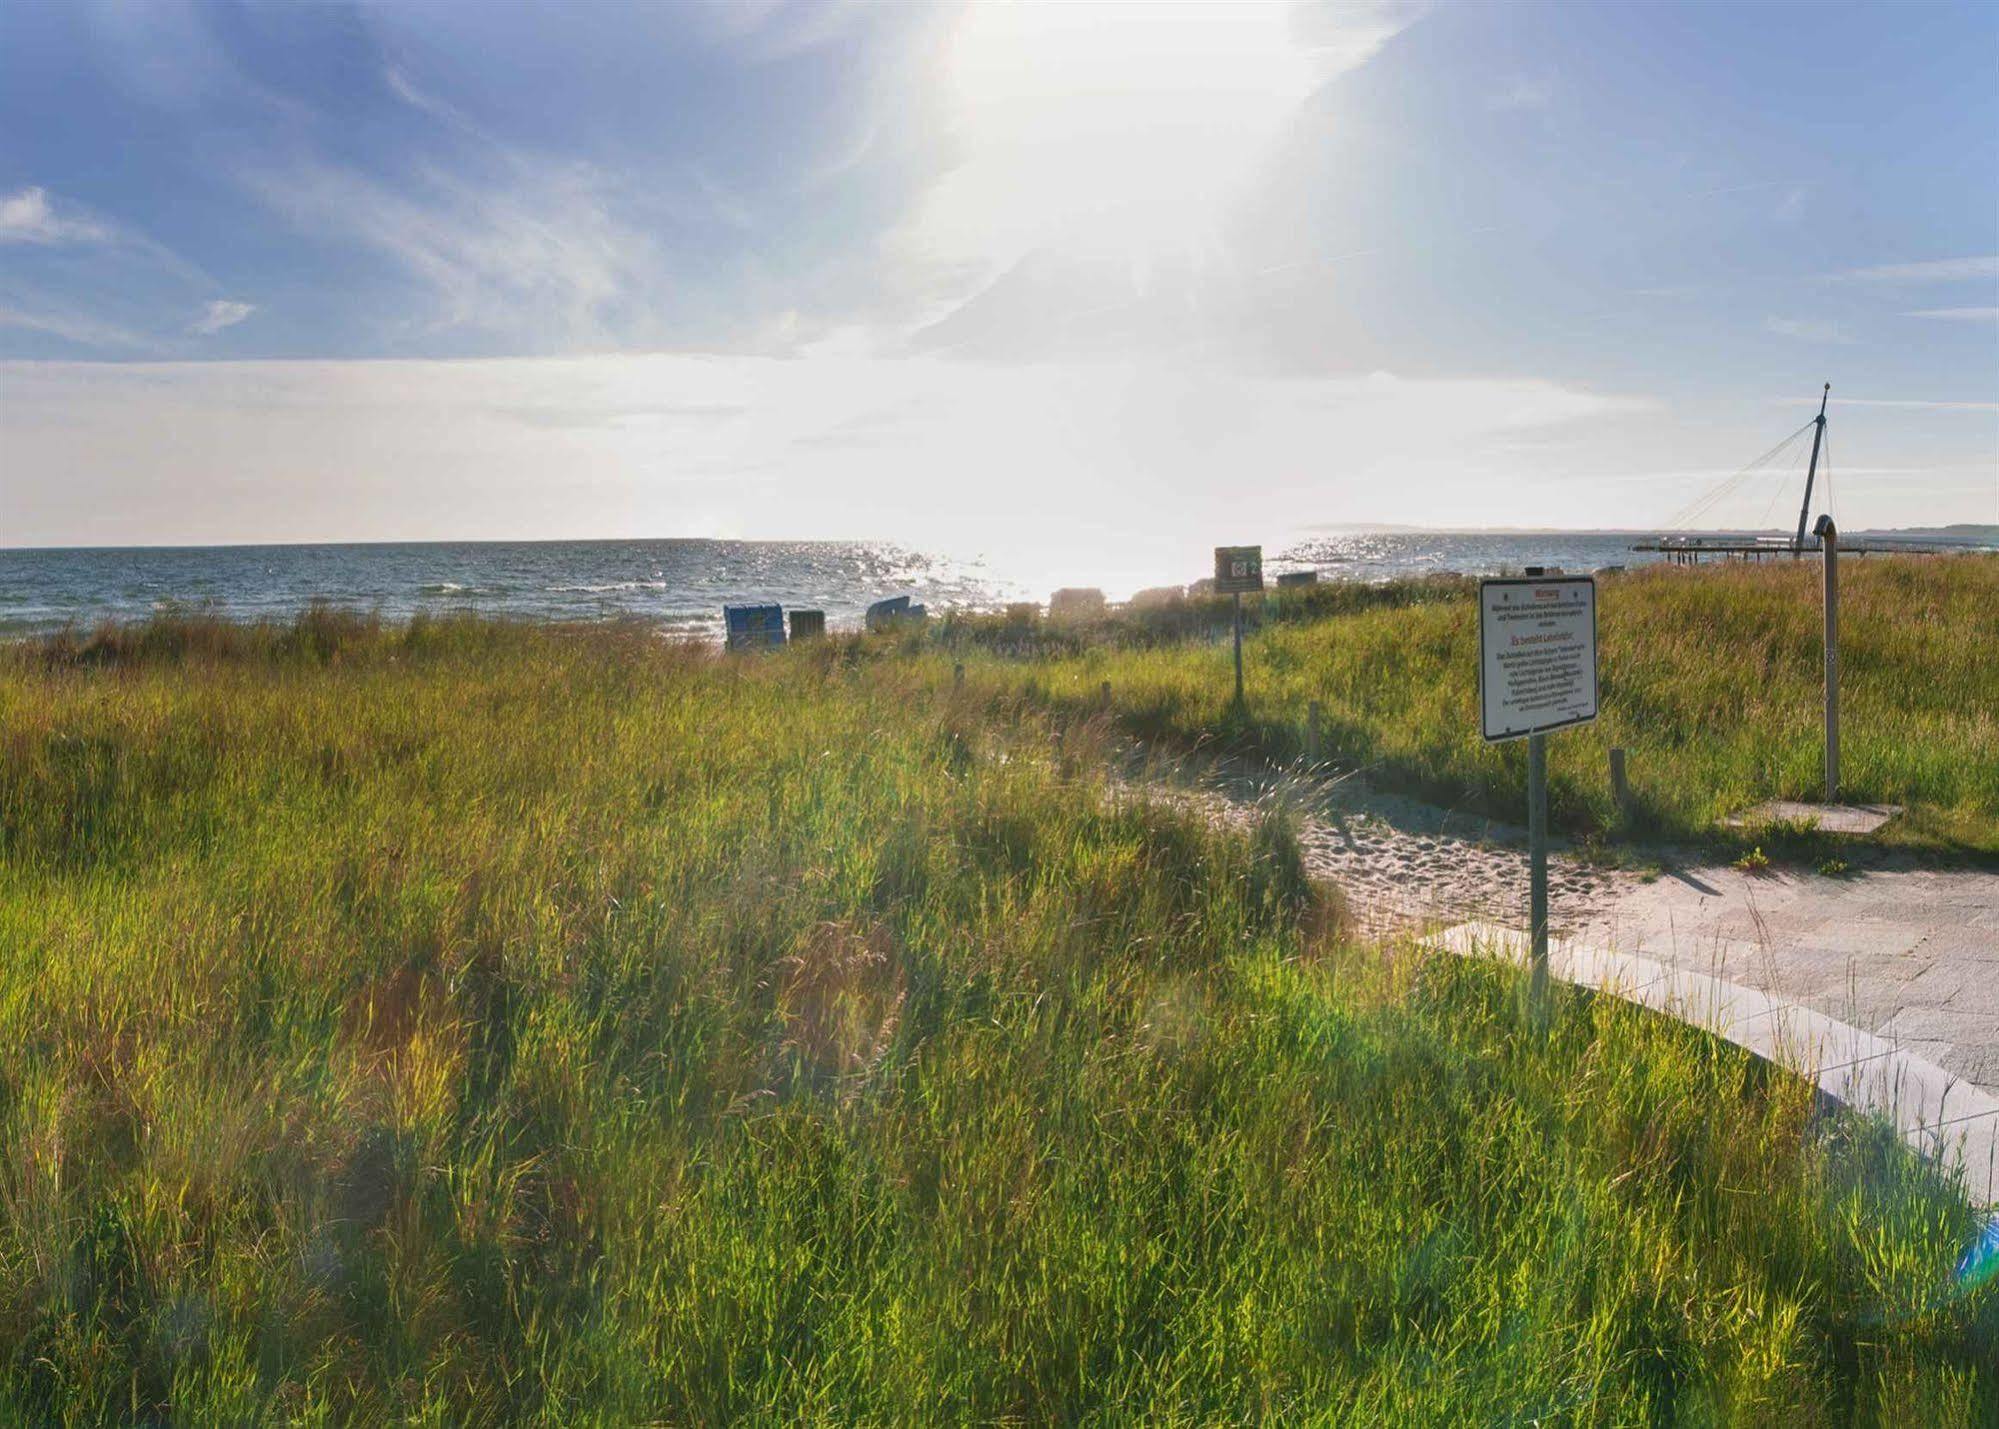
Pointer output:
1537, 654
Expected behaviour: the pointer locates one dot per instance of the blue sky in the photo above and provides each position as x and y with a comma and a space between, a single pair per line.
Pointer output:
983, 276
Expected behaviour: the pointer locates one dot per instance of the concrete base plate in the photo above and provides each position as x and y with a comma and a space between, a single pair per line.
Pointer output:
1832, 818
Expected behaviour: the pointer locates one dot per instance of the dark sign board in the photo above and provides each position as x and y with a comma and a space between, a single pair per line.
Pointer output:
1238, 569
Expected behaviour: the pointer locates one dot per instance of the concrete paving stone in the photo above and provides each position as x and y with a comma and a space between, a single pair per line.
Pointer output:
1978, 1061
1912, 1092
1971, 1148
1937, 1024
1864, 1000
1828, 818
1962, 942
1712, 1003
1937, 984
1863, 938
1813, 1044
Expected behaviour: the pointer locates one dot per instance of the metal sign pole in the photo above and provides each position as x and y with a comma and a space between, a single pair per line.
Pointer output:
1828, 535
1238, 569
1238, 648
1537, 673
1537, 861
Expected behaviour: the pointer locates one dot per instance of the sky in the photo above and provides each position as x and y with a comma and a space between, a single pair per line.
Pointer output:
1104, 283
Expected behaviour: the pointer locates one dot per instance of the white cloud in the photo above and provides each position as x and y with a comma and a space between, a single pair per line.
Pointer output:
219, 314
1940, 270
27, 216
1806, 329
1117, 471
1961, 315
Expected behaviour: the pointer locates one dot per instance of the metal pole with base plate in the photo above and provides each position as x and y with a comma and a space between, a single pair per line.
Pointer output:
1828, 535
1238, 569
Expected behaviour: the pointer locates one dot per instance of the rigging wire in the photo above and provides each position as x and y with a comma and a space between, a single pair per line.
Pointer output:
1727, 487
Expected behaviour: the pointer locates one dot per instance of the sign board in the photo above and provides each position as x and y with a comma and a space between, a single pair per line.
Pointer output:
1536, 654
1238, 569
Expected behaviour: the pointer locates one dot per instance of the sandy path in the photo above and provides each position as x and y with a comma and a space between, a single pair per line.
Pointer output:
1906, 953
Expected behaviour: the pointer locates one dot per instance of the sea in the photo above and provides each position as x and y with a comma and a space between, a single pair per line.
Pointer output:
678, 585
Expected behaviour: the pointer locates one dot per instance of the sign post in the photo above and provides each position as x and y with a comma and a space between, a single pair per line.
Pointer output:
1238, 569
1536, 674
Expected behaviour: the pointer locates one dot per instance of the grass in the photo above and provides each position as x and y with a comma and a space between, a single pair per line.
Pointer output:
468, 1023
1711, 678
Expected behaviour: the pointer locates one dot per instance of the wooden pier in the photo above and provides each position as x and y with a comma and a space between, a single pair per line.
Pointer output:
1692, 550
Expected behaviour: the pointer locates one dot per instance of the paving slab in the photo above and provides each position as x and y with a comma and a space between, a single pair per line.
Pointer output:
1830, 818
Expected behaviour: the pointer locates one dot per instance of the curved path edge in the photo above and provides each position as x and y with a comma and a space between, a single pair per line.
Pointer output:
1939, 1114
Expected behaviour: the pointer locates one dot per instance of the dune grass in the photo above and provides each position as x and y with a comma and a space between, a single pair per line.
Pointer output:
1711, 679
467, 1023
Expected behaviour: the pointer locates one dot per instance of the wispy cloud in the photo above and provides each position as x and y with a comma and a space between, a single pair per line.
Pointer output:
1521, 92
1345, 34
74, 327
1959, 315
533, 253
27, 216
1806, 329
1921, 404
1937, 270
219, 314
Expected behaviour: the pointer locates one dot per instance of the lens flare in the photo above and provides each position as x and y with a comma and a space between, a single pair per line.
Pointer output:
1979, 1265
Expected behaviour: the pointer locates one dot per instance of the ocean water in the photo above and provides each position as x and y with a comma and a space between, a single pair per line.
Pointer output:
679, 585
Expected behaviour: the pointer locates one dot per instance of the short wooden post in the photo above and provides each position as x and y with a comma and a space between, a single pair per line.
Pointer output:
958, 677
1312, 732
1620, 791
1104, 692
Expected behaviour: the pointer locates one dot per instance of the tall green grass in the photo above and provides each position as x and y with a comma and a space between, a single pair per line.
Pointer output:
466, 1023
1711, 678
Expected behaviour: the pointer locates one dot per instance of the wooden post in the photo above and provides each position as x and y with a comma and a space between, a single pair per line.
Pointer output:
1312, 732
1828, 535
1105, 692
958, 677
1620, 791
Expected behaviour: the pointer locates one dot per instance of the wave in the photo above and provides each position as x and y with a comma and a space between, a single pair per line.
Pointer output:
609, 588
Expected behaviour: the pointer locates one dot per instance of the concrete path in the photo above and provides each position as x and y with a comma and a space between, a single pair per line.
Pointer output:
1938, 1113
1902, 953
1908, 955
